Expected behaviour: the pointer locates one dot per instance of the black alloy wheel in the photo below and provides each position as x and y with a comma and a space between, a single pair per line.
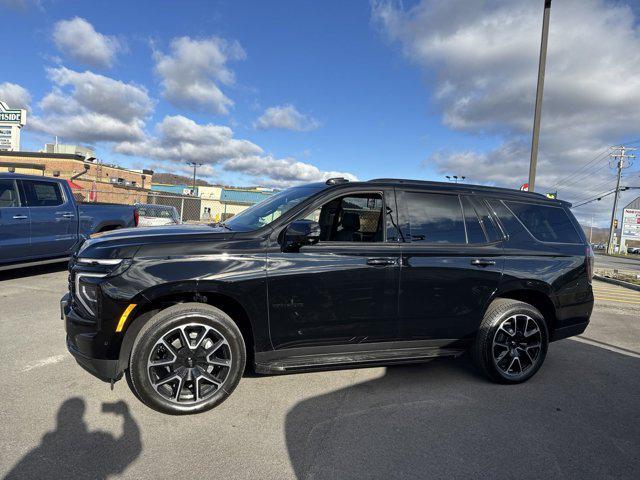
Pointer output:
186, 359
512, 341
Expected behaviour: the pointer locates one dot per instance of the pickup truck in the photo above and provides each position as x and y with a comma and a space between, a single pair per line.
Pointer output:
41, 222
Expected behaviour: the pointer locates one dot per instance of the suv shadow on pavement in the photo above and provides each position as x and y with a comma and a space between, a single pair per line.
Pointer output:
72, 451
25, 272
578, 418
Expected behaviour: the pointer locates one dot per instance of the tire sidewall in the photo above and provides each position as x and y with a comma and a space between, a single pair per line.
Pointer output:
161, 324
517, 309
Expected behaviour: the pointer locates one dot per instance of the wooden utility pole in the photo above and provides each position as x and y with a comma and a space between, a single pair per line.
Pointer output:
621, 162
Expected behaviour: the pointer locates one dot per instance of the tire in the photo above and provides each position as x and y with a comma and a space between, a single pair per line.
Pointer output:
505, 355
186, 359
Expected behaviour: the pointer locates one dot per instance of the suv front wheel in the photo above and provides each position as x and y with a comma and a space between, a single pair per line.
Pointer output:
187, 359
512, 341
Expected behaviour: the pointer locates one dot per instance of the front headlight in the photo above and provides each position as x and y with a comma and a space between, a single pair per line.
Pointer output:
87, 290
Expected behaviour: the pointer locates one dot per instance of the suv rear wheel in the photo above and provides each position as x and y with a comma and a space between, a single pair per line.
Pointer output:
187, 359
512, 342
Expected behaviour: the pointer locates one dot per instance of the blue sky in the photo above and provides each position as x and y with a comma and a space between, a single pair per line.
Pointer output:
418, 89
325, 58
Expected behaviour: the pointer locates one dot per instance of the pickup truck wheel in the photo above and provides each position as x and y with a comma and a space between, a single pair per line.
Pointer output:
512, 342
187, 359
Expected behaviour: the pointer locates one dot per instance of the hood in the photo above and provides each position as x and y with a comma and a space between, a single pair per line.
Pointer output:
123, 243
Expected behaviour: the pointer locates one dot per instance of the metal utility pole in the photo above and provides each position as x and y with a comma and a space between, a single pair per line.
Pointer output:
621, 163
195, 165
538, 108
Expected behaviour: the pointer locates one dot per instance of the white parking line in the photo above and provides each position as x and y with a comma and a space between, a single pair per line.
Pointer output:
44, 362
606, 346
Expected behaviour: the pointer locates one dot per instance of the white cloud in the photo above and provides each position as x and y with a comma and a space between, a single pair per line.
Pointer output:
205, 172
87, 107
14, 95
180, 139
78, 39
192, 72
281, 172
481, 59
286, 117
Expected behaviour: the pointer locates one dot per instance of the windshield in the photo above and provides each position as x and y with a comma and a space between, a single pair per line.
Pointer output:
271, 208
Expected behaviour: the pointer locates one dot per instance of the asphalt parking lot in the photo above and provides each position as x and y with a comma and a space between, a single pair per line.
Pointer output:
579, 417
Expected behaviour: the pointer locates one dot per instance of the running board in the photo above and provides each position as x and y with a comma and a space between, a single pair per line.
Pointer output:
353, 359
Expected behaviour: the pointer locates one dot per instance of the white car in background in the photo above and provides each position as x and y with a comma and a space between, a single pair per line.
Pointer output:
151, 215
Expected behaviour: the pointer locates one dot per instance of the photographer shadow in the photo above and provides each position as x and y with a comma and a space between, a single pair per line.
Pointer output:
72, 451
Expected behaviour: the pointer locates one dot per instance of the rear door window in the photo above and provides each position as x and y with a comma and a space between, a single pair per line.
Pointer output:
8, 194
546, 223
43, 194
435, 218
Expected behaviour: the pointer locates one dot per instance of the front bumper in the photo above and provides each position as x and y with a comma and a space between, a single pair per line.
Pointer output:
83, 342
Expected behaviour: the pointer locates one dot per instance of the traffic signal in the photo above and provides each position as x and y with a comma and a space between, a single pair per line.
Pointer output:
615, 223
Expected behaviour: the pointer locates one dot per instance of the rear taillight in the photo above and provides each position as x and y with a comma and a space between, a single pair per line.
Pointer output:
589, 260
136, 217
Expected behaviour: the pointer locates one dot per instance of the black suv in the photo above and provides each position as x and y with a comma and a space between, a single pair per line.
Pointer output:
330, 275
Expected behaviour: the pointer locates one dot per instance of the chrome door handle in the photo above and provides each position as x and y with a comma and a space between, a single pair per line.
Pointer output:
381, 262
481, 262
68, 215
20, 217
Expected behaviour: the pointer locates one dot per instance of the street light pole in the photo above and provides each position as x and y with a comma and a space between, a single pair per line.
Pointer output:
455, 178
195, 165
540, 87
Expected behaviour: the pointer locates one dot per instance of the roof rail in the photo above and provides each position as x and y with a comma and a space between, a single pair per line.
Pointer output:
465, 186
336, 181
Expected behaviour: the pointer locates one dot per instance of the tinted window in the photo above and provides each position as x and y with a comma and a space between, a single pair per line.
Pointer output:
510, 223
475, 233
491, 229
435, 218
547, 224
8, 194
43, 194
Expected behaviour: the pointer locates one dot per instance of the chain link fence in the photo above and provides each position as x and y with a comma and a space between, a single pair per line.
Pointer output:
158, 208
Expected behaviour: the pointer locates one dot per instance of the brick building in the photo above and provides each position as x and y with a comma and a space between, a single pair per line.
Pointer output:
112, 183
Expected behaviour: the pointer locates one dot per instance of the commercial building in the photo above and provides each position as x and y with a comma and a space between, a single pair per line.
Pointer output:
109, 183
214, 202
11, 121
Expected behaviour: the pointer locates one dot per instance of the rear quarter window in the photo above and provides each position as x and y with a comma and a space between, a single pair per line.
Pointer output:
546, 223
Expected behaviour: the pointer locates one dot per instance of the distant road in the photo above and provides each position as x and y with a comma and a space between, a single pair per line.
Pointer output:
631, 263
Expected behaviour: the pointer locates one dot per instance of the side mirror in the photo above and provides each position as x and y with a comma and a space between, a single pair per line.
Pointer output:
300, 233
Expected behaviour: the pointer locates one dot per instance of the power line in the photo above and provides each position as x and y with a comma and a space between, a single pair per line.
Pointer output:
598, 198
599, 156
587, 193
580, 177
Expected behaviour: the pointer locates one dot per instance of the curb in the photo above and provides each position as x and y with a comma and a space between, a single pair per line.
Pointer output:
620, 283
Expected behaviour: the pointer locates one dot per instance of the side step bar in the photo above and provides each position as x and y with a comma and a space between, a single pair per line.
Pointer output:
327, 361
